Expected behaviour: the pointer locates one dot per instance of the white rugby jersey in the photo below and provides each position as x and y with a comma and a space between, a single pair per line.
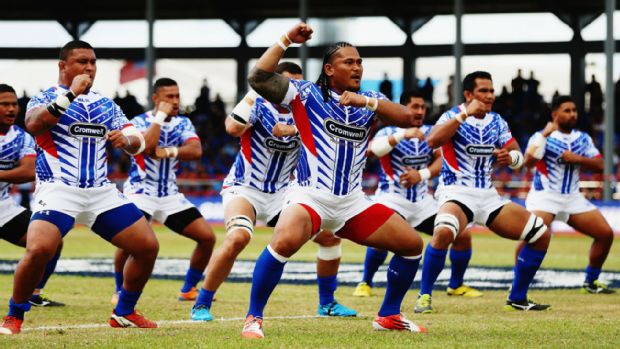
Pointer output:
14, 146
265, 162
552, 174
157, 177
468, 157
407, 153
73, 152
334, 138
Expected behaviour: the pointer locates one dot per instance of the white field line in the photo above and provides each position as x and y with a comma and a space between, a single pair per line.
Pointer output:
165, 323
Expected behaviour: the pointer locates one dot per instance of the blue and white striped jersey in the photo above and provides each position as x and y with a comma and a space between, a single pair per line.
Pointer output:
152, 177
265, 162
334, 138
73, 152
407, 153
14, 146
468, 157
552, 174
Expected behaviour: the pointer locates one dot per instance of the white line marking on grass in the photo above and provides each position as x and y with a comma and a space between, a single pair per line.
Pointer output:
165, 323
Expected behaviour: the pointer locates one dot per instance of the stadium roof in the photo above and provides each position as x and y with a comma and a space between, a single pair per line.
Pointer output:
84, 11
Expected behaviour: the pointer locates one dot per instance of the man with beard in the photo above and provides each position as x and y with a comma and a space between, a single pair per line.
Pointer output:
558, 152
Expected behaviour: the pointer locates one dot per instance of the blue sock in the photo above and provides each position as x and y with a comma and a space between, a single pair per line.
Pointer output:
592, 274
327, 287
459, 260
191, 279
126, 302
400, 275
18, 309
374, 259
49, 269
118, 280
528, 262
434, 261
205, 298
267, 274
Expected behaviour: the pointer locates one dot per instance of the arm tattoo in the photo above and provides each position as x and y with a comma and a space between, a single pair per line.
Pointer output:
270, 86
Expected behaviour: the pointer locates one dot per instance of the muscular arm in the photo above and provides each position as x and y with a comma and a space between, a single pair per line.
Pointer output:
394, 114
39, 120
594, 164
151, 138
23, 173
435, 166
190, 151
440, 134
234, 128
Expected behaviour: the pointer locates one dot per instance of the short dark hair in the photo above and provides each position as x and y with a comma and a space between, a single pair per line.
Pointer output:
469, 83
72, 45
407, 95
163, 82
559, 100
289, 67
6, 88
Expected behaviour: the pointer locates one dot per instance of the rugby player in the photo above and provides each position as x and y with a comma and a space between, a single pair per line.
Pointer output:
170, 138
473, 139
558, 152
334, 120
72, 125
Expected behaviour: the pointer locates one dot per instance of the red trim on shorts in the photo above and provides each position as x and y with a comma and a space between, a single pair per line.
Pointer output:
448, 154
360, 227
386, 164
509, 141
140, 161
314, 218
246, 145
542, 167
45, 142
303, 125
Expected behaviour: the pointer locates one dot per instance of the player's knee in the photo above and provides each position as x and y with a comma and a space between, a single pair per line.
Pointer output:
208, 238
447, 227
606, 237
39, 252
535, 231
329, 240
237, 241
412, 246
240, 222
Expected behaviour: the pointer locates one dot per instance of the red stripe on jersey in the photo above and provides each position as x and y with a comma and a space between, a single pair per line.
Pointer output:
386, 164
303, 125
140, 161
509, 141
542, 167
30, 155
46, 143
127, 125
449, 155
246, 145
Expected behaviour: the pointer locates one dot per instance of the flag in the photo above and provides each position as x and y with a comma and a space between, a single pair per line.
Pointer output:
133, 70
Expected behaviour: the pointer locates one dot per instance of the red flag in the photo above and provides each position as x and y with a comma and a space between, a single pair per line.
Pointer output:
133, 70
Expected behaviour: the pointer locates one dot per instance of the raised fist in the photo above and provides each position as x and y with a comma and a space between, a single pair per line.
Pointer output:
300, 33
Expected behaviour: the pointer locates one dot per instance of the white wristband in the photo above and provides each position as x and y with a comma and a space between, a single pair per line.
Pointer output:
517, 159
539, 143
281, 42
63, 101
371, 103
174, 152
425, 174
463, 114
160, 117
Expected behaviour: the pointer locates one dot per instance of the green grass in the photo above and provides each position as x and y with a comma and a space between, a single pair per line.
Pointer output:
566, 251
576, 320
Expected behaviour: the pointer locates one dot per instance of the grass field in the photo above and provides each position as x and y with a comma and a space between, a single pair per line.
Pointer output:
576, 320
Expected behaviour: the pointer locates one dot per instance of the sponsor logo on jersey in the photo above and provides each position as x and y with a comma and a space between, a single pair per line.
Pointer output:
280, 145
479, 150
347, 132
7, 164
416, 160
83, 129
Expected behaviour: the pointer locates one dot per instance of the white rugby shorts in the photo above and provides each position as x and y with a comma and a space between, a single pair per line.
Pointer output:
266, 205
82, 204
9, 209
414, 212
481, 202
561, 205
161, 207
